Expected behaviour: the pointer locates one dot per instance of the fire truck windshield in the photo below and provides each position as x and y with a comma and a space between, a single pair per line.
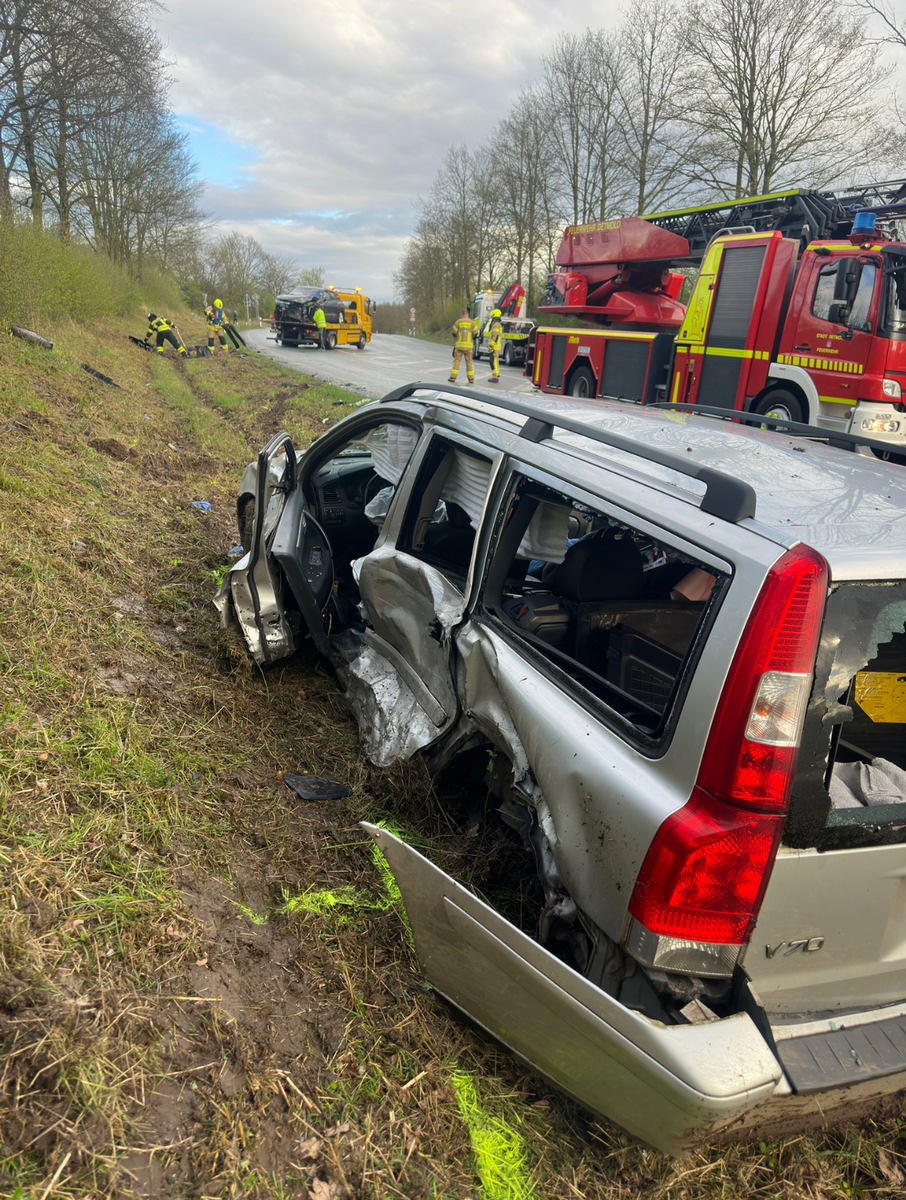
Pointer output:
893, 301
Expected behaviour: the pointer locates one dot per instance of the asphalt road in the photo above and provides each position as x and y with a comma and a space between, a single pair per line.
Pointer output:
387, 362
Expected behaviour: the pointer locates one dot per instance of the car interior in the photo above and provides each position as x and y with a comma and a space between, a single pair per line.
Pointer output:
615, 609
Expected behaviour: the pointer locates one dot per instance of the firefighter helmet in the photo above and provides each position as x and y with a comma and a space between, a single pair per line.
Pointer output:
496, 313
218, 304
152, 316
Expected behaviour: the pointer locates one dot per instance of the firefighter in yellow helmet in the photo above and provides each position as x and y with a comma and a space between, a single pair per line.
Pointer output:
463, 331
495, 343
162, 331
215, 317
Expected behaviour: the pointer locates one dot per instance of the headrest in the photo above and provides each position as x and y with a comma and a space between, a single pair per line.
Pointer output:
601, 566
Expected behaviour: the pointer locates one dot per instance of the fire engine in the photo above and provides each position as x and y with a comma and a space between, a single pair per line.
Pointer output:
798, 309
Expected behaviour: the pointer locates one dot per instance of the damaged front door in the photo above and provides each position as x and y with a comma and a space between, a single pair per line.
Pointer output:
285, 548
414, 590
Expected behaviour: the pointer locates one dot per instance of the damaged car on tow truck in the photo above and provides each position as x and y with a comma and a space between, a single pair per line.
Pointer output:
678, 645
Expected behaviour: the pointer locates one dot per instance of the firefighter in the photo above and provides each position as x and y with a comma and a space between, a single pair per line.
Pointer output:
463, 331
216, 317
162, 331
321, 324
495, 341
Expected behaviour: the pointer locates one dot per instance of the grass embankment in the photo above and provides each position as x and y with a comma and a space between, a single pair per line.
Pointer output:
203, 991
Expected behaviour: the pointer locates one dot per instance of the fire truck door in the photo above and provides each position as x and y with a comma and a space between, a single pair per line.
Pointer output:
833, 337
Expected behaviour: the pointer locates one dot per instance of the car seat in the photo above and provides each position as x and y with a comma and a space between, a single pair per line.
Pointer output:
600, 566
450, 541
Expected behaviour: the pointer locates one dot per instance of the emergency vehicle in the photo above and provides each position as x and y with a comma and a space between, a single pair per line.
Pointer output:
348, 314
517, 328
798, 309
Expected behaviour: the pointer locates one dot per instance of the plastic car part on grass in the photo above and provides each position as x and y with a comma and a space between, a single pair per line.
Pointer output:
317, 787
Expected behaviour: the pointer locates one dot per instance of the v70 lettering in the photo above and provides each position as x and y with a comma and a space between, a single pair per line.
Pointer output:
805, 945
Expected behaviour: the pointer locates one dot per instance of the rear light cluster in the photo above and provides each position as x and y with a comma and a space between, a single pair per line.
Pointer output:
701, 884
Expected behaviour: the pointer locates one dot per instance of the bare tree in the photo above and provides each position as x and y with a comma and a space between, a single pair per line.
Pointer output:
276, 272
892, 25
577, 94
423, 278
651, 81
523, 187
310, 277
454, 192
777, 90
64, 65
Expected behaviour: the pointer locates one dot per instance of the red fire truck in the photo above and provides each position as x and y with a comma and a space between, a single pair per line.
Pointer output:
798, 310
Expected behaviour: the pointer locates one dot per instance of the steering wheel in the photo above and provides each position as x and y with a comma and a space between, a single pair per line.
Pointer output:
372, 487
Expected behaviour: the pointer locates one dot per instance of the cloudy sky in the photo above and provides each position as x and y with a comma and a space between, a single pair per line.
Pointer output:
316, 125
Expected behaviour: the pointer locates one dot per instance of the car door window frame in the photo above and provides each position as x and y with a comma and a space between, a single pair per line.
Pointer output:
490, 592
426, 479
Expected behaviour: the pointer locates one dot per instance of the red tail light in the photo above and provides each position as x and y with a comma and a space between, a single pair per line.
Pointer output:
705, 873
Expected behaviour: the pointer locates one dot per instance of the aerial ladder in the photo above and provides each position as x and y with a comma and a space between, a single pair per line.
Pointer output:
797, 308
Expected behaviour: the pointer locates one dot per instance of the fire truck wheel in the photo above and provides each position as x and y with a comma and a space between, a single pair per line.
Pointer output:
780, 403
331, 340
582, 383
507, 354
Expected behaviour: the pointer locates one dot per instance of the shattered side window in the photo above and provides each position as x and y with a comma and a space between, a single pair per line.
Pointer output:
391, 448
446, 507
853, 764
620, 612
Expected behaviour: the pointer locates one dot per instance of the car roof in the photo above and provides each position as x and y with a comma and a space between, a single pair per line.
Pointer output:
849, 506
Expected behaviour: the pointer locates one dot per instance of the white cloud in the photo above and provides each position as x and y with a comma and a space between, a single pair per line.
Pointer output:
318, 124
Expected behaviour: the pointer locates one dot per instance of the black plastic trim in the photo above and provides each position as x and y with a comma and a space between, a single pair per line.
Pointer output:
819, 1061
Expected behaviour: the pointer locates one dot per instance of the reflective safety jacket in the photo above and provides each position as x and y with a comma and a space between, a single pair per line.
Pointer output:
495, 337
318, 317
464, 329
158, 325
215, 316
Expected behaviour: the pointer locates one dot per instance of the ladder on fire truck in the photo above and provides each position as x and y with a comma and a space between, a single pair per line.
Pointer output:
798, 213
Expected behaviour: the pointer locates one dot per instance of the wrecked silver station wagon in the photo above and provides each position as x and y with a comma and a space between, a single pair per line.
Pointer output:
684, 641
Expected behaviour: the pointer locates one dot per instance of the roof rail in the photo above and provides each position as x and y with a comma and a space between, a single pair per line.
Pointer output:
843, 441
725, 496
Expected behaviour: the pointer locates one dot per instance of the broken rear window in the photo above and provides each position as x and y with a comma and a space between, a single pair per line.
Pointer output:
851, 785
616, 609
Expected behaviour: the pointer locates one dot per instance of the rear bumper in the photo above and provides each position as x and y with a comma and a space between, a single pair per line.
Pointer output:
671, 1086
674, 1087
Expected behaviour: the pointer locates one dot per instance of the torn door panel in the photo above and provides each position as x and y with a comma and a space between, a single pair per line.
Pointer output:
393, 724
592, 785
